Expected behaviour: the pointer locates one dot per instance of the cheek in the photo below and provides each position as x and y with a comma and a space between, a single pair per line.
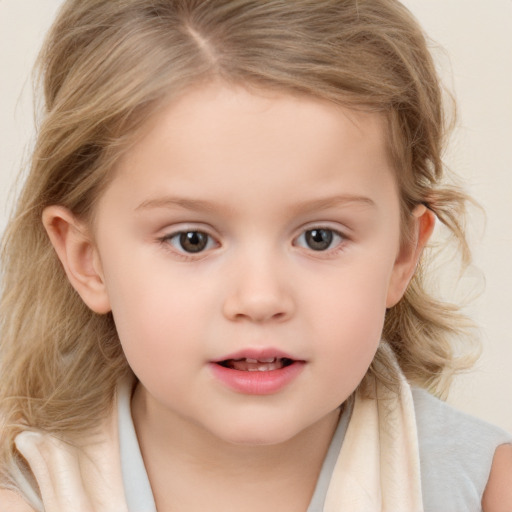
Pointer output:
349, 361
350, 320
355, 298
355, 331
155, 316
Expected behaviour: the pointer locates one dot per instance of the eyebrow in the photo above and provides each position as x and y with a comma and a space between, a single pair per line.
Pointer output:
173, 202
333, 202
207, 206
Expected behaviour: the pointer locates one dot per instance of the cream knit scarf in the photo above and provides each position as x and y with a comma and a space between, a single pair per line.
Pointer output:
377, 469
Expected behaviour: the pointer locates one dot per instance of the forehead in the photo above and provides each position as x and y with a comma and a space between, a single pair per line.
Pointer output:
254, 111
219, 139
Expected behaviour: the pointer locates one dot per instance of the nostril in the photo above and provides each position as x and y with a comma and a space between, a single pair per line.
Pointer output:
262, 316
258, 301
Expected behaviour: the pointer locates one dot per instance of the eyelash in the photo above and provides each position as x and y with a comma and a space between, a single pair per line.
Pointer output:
181, 237
334, 239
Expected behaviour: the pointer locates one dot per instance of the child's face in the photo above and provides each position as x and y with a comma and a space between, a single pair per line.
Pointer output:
251, 227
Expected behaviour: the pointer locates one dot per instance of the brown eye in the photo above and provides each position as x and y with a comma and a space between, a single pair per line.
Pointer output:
190, 241
319, 239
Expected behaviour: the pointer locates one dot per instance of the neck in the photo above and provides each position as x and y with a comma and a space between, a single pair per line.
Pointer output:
191, 469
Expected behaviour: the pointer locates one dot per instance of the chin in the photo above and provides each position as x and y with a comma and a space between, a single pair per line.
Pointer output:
258, 439
259, 433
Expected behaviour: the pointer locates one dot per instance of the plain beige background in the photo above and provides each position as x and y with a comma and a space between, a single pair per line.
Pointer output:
477, 66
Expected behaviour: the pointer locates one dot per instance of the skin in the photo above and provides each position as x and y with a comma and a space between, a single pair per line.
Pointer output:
12, 502
255, 173
498, 492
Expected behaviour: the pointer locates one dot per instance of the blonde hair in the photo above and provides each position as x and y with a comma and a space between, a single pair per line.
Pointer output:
106, 68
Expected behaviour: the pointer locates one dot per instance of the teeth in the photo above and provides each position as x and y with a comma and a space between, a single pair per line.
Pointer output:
256, 365
263, 360
262, 368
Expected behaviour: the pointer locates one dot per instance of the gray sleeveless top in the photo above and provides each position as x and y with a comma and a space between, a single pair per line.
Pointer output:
456, 452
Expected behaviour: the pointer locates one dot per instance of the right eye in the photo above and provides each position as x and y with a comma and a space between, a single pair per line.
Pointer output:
320, 239
190, 242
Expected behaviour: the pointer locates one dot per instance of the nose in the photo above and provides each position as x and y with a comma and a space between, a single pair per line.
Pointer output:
259, 292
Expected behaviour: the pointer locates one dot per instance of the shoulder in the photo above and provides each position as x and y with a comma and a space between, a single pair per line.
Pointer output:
435, 416
498, 492
456, 454
11, 501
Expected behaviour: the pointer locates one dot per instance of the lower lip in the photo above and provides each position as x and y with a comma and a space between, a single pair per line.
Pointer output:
257, 383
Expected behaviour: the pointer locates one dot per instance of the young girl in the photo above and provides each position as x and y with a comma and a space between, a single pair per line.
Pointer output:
212, 286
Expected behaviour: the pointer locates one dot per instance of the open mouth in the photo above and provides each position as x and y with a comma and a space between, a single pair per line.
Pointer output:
247, 364
257, 372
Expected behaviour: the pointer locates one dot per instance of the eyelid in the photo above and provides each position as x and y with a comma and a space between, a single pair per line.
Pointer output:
336, 227
175, 231
180, 233
340, 233
186, 227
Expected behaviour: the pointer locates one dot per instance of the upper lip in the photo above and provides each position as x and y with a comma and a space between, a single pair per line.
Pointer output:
258, 354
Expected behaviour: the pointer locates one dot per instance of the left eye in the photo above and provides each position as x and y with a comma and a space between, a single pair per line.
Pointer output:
191, 241
319, 239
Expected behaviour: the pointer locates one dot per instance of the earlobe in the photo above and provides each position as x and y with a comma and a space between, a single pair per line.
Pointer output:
74, 246
409, 254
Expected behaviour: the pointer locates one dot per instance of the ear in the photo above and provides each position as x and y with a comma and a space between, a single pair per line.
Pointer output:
409, 254
72, 241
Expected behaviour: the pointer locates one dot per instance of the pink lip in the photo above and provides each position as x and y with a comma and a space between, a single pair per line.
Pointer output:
257, 353
257, 382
